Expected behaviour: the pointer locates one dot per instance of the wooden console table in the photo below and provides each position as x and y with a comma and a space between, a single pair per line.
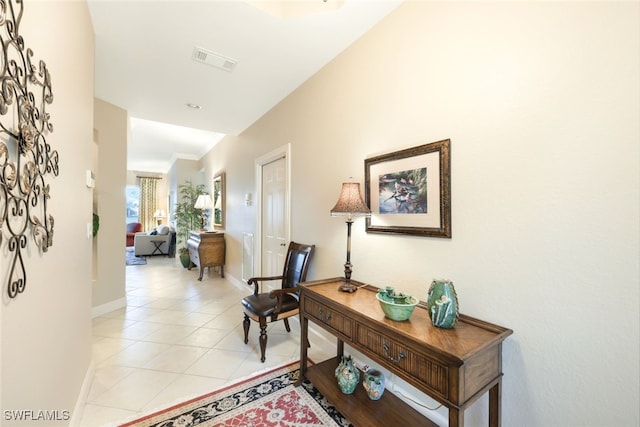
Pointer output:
453, 366
206, 249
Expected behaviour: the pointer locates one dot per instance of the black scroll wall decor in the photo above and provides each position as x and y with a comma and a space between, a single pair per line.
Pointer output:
25, 156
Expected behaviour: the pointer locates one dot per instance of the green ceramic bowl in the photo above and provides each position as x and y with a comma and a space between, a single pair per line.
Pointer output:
397, 311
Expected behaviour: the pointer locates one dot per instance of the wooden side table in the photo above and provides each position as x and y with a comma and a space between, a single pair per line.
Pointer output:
453, 366
206, 249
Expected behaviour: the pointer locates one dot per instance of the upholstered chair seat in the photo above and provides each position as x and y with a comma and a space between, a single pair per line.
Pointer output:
279, 304
262, 305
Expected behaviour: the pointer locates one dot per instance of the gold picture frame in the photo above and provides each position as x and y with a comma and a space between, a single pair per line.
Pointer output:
218, 201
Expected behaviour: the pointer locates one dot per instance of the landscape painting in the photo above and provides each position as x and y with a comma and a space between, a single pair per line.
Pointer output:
403, 192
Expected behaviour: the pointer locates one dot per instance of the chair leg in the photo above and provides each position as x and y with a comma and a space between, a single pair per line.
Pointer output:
245, 324
286, 324
263, 339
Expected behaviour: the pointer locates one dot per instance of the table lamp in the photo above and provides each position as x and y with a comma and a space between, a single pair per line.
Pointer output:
203, 202
350, 204
159, 214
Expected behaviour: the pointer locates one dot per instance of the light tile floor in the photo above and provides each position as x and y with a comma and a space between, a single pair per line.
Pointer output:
177, 338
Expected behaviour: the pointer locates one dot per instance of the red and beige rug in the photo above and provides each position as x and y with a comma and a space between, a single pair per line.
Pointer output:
268, 399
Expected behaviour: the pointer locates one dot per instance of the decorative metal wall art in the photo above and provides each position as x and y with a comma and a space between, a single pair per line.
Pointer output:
25, 156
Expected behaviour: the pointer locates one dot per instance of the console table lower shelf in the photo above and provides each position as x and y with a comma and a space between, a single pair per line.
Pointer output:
357, 407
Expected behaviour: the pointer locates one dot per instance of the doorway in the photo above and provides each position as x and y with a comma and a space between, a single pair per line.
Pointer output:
273, 216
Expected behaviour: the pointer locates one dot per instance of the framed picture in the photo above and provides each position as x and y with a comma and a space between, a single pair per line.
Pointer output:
409, 191
219, 197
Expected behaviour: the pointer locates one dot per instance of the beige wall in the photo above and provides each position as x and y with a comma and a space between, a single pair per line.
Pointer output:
235, 157
46, 332
541, 104
112, 126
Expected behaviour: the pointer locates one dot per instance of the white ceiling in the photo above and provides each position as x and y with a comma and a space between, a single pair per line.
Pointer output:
144, 64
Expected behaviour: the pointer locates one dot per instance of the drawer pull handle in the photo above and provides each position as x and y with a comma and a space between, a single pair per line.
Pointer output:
393, 360
326, 318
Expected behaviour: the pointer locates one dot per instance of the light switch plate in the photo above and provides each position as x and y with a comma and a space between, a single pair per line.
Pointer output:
91, 179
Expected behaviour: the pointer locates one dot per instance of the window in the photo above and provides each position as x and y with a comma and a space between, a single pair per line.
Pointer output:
133, 203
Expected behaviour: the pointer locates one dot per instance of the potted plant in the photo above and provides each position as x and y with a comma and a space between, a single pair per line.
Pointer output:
96, 224
187, 217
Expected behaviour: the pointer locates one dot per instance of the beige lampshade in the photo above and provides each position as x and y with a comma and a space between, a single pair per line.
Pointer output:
350, 202
203, 202
159, 213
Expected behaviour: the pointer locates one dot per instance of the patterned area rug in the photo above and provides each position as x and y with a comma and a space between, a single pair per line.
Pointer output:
134, 260
268, 399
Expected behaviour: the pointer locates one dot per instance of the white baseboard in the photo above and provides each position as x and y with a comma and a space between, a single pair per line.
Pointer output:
240, 284
78, 410
108, 307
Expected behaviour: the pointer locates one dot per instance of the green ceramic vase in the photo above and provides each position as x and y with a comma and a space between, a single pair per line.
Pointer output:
347, 375
373, 382
442, 302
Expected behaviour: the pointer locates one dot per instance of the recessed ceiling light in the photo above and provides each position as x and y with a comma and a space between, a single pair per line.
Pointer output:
194, 106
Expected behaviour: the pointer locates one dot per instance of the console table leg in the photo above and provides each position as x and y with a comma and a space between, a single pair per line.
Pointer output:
456, 417
304, 336
495, 413
340, 348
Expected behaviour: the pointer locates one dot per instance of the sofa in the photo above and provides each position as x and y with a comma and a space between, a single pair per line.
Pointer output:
161, 241
132, 229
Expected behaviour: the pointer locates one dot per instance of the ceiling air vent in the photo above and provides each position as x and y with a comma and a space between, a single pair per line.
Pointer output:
208, 57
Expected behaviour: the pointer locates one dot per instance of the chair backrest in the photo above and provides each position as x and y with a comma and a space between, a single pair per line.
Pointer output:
134, 227
296, 264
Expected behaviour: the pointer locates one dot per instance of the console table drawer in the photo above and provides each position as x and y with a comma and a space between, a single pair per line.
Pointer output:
432, 374
331, 319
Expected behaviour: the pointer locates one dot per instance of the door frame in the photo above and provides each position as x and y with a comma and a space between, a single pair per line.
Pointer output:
280, 152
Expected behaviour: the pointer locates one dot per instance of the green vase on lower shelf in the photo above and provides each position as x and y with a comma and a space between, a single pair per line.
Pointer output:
373, 382
347, 375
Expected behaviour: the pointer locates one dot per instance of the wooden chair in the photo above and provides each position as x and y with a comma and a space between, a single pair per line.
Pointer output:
279, 304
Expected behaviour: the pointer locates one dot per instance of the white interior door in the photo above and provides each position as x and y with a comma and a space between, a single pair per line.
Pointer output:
274, 205
273, 210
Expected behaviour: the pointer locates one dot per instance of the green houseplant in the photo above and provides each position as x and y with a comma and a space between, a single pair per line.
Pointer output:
96, 224
187, 217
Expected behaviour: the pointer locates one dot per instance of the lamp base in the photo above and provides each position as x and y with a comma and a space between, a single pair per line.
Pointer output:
348, 287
